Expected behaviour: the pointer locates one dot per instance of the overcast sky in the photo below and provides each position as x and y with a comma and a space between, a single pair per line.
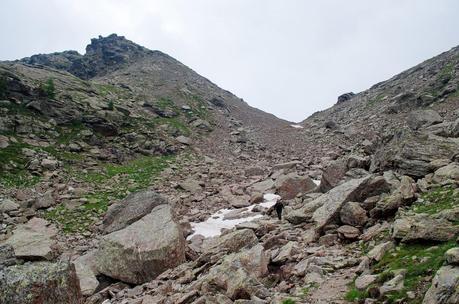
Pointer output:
287, 57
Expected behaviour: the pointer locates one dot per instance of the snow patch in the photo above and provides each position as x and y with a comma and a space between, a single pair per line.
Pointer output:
297, 126
215, 223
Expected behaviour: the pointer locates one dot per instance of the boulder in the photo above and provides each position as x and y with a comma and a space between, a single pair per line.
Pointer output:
143, 250
333, 174
453, 130
232, 242
40, 282
183, 140
191, 185
286, 252
85, 268
8, 205
352, 214
44, 201
452, 256
445, 287
365, 280
262, 186
331, 202
412, 153
423, 227
423, 118
345, 97
287, 165
395, 284
407, 188
348, 232
254, 171
238, 275
290, 185
380, 250
49, 164
447, 173
34, 240
131, 209
7, 257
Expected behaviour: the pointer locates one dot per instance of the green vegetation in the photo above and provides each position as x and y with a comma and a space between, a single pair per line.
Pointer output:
13, 163
165, 103
114, 182
108, 89
48, 88
288, 301
173, 122
437, 200
419, 260
355, 295
376, 100
69, 134
446, 73
198, 107
16, 109
307, 289
110, 106
2, 87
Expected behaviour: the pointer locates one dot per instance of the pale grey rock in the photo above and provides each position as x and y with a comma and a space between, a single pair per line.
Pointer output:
131, 209
445, 287
34, 240
143, 250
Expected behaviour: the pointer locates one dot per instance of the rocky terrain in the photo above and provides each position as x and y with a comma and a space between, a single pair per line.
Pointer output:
115, 164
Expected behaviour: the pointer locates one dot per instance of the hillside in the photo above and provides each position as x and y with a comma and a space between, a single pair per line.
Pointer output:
126, 177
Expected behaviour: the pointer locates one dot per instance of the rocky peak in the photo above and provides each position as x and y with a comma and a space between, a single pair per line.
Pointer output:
114, 49
103, 55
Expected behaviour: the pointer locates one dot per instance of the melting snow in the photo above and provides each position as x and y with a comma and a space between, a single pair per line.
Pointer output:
297, 126
216, 222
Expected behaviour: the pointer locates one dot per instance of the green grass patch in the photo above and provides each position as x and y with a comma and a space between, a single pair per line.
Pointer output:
447, 72
17, 109
355, 295
198, 107
13, 171
376, 100
173, 122
307, 289
420, 261
109, 89
70, 133
112, 182
437, 200
288, 301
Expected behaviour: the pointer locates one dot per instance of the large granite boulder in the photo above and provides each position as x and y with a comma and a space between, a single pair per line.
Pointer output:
413, 153
86, 271
238, 275
40, 282
423, 227
423, 118
231, 242
143, 250
445, 287
131, 209
332, 202
34, 240
353, 214
333, 174
290, 185
446, 173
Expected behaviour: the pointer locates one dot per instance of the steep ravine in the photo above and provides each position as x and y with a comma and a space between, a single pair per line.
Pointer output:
115, 164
